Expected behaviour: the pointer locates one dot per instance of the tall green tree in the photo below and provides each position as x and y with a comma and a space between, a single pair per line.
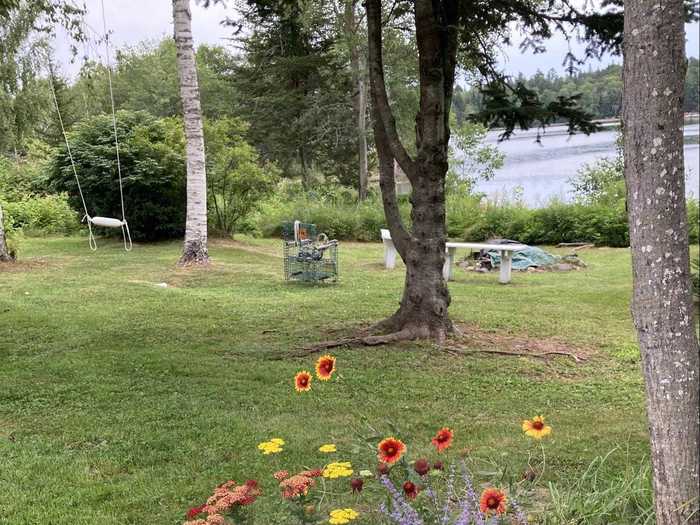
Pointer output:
446, 32
295, 90
24, 26
145, 79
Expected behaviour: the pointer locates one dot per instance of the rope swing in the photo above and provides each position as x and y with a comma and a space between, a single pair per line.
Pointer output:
104, 222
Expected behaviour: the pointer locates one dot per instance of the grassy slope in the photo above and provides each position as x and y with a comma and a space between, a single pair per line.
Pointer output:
122, 402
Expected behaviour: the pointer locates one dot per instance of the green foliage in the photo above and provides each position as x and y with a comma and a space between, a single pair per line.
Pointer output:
336, 213
236, 180
24, 176
600, 91
470, 159
693, 221
296, 93
555, 223
602, 182
42, 215
467, 219
153, 170
145, 78
695, 276
26, 204
24, 97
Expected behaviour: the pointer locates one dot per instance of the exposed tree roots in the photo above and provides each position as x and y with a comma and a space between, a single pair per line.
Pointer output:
460, 341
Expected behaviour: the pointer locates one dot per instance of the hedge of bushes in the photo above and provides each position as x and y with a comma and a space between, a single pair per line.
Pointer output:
602, 224
42, 214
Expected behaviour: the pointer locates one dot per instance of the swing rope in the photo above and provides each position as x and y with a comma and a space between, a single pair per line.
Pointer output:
91, 236
125, 226
98, 221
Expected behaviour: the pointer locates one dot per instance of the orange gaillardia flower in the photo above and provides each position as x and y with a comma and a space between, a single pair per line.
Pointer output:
325, 366
536, 428
443, 439
302, 381
493, 500
390, 450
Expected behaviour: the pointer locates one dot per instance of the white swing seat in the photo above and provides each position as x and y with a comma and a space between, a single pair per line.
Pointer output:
106, 222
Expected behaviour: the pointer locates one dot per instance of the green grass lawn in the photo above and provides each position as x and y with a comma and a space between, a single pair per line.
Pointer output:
125, 403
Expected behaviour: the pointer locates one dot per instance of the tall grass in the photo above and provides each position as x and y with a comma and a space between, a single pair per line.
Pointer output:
603, 495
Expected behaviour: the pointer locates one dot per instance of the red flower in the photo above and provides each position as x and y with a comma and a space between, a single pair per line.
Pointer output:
438, 465
356, 484
194, 511
302, 381
443, 439
493, 500
410, 489
325, 366
421, 466
391, 450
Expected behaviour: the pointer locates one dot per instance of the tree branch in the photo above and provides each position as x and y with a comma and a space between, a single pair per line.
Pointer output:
380, 100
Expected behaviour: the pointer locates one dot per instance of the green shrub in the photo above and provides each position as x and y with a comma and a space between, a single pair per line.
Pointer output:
236, 179
340, 217
42, 215
153, 171
601, 223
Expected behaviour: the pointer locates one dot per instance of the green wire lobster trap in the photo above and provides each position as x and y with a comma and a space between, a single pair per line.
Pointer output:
308, 256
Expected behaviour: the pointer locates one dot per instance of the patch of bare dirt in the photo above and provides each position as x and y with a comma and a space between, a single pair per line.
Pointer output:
473, 338
27, 265
470, 339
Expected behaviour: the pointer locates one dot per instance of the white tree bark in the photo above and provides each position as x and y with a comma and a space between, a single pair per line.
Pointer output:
662, 304
195, 249
5, 255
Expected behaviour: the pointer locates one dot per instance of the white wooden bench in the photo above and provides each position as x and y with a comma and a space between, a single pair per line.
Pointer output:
506, 251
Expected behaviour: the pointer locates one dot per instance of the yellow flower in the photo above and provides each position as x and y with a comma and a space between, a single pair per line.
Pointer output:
277, 441
340, 469
270, 447
342, 516
536, 428
327, 448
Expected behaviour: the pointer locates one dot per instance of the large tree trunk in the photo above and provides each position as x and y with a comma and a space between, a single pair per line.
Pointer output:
195, 249
359, 98
662, 307
5, 255
423, 309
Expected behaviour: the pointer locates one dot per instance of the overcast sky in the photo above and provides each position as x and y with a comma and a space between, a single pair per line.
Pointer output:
133, 21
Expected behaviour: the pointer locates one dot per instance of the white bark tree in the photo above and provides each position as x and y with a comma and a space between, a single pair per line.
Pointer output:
662, 304
195, 250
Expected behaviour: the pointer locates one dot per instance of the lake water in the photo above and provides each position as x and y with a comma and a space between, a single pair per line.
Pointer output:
542, 171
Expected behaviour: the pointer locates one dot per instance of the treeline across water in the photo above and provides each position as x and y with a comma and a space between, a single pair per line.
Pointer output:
600, 90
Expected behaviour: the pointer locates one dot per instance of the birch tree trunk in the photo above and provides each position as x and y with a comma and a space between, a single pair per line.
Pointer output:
195, 249
5, 255
662, 307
